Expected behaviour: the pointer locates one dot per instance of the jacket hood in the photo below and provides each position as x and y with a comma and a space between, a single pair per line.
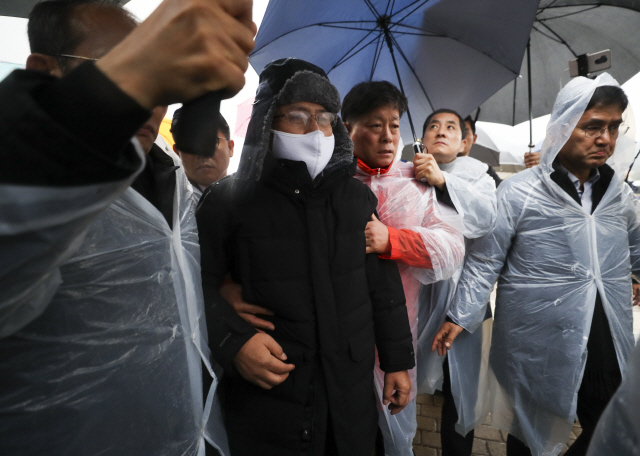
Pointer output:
286, 81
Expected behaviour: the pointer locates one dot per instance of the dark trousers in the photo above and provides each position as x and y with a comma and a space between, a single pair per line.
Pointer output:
453, 444
589, 410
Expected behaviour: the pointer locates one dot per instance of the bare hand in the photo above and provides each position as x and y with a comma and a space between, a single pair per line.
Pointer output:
184, 49
232, 293
424, 165
377, 236
531, 159
636, 294
396, 390
445, 337
260, 361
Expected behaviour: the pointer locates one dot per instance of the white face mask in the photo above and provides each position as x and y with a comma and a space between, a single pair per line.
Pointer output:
315, 149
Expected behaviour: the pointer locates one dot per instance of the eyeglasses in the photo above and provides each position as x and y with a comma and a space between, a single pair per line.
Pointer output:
596, 132
69, 56
302, 118
218, 141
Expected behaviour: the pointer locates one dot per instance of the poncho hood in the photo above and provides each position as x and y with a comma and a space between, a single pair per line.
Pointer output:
569, 106
282, 82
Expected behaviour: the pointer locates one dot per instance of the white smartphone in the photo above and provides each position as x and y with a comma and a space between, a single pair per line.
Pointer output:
590, 63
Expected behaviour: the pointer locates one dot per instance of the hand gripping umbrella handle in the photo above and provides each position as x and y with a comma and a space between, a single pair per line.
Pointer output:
419, 148
197, 129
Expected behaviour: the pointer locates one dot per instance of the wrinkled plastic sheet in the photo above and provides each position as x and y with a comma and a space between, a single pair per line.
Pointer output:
112, 362
473, 193
551, 258
405, 203
618, 432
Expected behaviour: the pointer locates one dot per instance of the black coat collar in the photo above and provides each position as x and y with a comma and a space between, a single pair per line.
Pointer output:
288, 176
560, 177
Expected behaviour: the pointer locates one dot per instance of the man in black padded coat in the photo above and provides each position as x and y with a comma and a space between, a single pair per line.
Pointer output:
289, 227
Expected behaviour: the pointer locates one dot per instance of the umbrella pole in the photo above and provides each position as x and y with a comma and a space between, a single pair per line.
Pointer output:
387, 37
531, 145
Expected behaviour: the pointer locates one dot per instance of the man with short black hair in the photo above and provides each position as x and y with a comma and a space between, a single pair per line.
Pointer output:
471, 138
101, 343
565, 244
203, 171
471, 191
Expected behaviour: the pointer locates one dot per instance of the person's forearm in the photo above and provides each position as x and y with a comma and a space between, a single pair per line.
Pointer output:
92, 108
408, 247
57, 130
391, 322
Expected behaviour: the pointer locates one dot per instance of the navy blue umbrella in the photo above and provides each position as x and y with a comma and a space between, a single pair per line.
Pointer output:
441, 53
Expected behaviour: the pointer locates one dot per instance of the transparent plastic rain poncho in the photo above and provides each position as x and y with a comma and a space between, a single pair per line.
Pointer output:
473, 193
108, 361
550, 258
618, 432
405, 203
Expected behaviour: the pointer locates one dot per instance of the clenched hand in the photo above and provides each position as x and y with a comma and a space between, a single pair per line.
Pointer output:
184, 49
376, 235
531, 159
396, 391
425, 166
260, 361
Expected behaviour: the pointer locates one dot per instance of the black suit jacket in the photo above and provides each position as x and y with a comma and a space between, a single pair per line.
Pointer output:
602, 373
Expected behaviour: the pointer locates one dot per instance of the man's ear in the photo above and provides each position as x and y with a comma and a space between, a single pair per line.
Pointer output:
475, 138
347, 126
44, 63
231, 146
463, 144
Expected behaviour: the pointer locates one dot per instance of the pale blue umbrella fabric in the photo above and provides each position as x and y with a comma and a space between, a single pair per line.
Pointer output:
449, 53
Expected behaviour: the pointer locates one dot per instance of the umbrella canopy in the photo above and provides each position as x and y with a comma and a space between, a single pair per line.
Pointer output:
22, 8
564, 29
243, 116
490, 156
447, 53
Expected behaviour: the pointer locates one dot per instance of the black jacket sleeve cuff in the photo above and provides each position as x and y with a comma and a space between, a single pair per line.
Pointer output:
396, 360
93, 109
228, 332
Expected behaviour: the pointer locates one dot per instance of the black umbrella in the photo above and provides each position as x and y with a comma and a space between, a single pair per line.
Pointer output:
562, 31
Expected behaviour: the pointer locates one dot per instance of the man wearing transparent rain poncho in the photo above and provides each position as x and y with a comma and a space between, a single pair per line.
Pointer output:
563, 249
414, 228
472, 192
102, 338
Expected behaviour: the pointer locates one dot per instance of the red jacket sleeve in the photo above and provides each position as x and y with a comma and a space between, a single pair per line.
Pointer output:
408, 247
